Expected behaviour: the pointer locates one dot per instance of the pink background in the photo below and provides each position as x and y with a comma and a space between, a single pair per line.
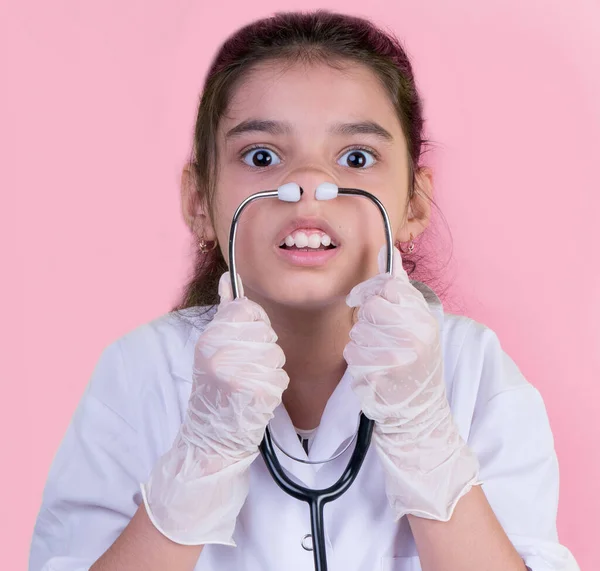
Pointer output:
97, 110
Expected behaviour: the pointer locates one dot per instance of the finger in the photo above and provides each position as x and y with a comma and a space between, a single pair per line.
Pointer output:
394, 327
245, 359
397, 268
225, 291
409, 313
234, 331
257, 382
362, 291
241, 310
367, 334
397, 290
373, 286
393, 289
373, 358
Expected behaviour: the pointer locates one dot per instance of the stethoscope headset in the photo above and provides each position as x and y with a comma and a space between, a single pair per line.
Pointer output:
316, 499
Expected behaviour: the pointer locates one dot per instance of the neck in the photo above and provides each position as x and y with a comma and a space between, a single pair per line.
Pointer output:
313, 342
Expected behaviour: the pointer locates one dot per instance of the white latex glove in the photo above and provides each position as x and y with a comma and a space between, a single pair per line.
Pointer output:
396, 365
197, 489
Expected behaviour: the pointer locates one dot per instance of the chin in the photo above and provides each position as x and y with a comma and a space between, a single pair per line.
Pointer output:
300, 294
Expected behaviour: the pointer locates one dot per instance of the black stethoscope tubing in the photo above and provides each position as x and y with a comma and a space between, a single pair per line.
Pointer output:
317, 499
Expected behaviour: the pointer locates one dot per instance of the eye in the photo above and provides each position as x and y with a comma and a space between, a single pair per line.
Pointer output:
356, 158
259, 157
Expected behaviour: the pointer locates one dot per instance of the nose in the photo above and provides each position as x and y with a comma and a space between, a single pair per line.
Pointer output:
292, 191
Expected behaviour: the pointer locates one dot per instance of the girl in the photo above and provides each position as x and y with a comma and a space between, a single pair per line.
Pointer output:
160, 468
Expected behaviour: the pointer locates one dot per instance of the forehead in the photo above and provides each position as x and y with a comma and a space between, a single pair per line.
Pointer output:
311, 94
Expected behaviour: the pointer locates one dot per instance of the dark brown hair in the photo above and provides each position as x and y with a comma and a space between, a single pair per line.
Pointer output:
289, 37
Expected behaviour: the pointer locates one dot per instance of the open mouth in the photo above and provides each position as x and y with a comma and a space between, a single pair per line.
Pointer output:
308, 241
307, 249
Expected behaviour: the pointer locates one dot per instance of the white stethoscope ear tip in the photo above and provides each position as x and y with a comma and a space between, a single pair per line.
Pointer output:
289, 192
326, 191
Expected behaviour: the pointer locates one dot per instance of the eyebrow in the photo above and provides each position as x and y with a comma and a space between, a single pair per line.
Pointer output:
285, 128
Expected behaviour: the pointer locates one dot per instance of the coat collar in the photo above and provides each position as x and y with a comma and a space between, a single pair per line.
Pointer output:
340, 417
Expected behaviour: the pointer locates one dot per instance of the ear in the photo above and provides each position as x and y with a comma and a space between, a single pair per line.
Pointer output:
418, 214
194, 207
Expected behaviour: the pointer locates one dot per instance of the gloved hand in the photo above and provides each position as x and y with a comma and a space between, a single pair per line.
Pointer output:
197, 489
395, 361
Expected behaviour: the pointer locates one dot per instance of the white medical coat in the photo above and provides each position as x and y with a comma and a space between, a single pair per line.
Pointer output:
134, 405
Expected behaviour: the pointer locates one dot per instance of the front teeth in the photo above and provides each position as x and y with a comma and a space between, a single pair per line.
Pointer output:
313, 241
303, 240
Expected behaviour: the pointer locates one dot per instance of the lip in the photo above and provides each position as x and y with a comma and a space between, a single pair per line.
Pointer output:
308, 223
305, 259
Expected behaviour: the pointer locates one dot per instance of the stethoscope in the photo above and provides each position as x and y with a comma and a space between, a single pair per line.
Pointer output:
316, 499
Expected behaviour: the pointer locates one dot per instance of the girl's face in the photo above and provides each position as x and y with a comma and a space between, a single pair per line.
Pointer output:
309, 124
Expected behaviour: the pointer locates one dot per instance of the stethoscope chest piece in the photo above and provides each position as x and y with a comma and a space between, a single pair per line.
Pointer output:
306, 544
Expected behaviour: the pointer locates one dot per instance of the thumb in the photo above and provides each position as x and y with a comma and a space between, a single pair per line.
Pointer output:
397, 268
225, 290
376, 285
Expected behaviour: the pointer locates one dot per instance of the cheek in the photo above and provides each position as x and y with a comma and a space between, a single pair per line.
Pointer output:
255, 231
394, 202
370, 226
227, 200
222, 215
